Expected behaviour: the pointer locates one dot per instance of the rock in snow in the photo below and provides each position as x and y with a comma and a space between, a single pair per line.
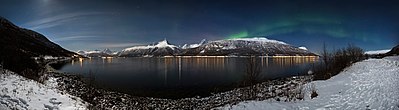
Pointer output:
17, 92
370, 84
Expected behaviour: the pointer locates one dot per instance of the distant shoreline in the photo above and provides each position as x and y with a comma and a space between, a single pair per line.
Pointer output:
210, 57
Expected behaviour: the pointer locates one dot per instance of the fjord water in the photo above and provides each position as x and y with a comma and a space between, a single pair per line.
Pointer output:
181, 77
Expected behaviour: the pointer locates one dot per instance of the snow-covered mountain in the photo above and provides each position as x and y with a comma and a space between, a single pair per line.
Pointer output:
374, 52
186, 46
393, 51
237, 47
303, 48
247, 46
97, 53
162, 48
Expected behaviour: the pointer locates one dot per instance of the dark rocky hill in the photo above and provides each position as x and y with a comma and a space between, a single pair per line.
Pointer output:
394, 51
19, 45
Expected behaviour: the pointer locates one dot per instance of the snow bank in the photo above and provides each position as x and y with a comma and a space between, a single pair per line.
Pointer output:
370, 84
17, 92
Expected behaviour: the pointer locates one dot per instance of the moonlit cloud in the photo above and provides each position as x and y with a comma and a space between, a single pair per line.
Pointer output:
58, 20
73, 38
116, 45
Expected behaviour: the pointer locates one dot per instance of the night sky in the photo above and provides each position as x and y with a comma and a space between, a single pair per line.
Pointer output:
96, 24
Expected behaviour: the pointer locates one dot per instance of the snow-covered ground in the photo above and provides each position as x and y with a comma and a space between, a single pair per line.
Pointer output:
370, 84
17, 92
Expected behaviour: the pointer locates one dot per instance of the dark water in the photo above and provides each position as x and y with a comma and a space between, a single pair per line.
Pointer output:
181, 77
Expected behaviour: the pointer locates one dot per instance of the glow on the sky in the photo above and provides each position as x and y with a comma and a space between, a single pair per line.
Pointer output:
309, 24
238, 35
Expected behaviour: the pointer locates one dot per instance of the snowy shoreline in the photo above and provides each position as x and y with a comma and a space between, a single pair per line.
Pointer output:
17, 92
369, 84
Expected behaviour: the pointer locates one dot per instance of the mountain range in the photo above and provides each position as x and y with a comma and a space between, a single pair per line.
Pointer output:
229, 47
97, 53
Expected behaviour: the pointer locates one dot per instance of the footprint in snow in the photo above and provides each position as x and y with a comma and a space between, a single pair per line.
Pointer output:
54, 101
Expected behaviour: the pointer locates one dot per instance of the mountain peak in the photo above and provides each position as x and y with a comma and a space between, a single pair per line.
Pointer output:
6, 23
186, 46
107, 51
303, 48
203, 41
163, 43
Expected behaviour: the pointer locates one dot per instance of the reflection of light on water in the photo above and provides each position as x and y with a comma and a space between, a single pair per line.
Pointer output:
289, 61
81, 62
166, 62
179, 69
73, 62
107, 59
219, 63
264, 60
205, 62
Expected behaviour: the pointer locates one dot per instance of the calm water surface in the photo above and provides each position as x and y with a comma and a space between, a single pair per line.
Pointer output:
180, 77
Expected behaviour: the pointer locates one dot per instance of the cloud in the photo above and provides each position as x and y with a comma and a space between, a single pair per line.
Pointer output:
73, 38
116, 45
58, 20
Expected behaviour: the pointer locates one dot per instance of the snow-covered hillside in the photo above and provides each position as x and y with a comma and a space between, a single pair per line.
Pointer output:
97, 53
374, 52
162, 48
187, 46
17, 92
247, 46
161, 44
303, 48
370, 84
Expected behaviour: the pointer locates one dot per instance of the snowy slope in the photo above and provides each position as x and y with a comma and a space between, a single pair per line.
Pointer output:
161, 44
97, 53
370, 84
17, 92
374, 52
303, 48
